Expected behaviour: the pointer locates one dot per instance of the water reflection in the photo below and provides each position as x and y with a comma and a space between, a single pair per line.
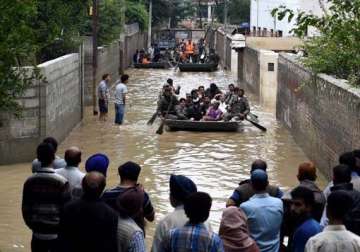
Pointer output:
215, 161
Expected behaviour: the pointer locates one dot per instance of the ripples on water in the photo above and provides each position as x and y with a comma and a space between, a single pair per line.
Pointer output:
215, 161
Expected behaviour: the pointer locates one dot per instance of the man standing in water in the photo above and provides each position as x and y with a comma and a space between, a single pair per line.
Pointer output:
120, 99
103, 96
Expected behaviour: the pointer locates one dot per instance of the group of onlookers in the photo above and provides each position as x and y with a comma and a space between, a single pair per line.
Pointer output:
209, 104
68, 210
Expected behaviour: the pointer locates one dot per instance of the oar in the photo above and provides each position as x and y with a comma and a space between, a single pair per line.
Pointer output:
152, 119
256, 124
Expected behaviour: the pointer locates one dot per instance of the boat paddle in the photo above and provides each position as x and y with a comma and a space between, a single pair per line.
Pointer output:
152, 119
262, 128
160, 130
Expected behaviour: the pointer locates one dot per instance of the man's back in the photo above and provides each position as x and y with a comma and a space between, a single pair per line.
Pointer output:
74, 176
334, 238
195, 238
88, 226
264, 218
120, 91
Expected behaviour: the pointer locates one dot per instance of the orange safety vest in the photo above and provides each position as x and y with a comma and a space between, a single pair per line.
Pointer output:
189, 48
145, 61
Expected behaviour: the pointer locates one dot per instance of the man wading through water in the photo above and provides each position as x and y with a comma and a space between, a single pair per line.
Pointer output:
103, 95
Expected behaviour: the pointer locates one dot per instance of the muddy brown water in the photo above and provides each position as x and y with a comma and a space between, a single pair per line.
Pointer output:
215, 161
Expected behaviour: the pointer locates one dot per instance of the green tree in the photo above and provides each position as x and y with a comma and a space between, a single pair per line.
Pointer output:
17, 48
136, 12
336, 51
238, 11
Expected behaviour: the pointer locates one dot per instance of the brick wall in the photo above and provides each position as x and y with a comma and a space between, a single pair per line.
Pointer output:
322, 113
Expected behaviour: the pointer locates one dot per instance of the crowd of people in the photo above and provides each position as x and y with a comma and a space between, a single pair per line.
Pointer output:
184, 52
209, 104
68, 210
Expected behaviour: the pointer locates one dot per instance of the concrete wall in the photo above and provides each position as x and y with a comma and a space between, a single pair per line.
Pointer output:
257, 70
274, 43
322, 113
51, 108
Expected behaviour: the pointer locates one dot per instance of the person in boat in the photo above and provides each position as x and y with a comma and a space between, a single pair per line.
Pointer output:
146, 60
201, 92
151, 51
136, 57
229, 94
167, 104
205, 105
189, 49
188, 100
194, 111
238, 106
201, 46
212, 91
157, 54
181, 110
213, 58
214, 113
171, 84
141, 55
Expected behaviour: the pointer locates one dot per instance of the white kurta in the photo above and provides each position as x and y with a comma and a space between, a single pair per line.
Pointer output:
334, 238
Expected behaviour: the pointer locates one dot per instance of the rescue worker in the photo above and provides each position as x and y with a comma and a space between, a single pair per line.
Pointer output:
238, 106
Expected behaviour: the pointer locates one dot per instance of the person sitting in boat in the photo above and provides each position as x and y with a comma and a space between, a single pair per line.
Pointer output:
205, 105
181, 110
146, 60
188, 100
167, 104
229, 94
238, 106
189, 49
214, 113
201, 92
194, 111
212, 91
157, 54
141, 56
213, 57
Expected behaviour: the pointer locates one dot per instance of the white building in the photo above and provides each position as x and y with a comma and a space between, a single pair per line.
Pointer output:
260, 13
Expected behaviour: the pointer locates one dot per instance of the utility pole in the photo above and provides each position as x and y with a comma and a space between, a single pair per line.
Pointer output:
95, 21
149, 26
225, 34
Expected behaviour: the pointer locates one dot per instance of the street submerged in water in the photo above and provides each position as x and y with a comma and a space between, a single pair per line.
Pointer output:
216, 162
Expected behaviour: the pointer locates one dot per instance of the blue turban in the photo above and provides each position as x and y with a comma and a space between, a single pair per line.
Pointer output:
181, 187
97, 162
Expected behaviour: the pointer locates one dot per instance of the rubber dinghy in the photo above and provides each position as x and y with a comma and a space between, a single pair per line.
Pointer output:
187, 125
198, 67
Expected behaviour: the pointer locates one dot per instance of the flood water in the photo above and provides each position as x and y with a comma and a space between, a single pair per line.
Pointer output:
215, 161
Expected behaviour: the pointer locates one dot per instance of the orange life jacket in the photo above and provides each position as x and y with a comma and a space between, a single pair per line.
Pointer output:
189, 48
145, 61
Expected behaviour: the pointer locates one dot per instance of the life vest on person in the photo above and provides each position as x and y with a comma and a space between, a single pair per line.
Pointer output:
189, 48
145, 61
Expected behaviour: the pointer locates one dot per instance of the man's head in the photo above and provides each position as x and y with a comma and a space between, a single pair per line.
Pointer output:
259, 164
124, 78
231, 87
167, 91
129, 171
201, 89
93, 184
106, 77
45, 154
338, 205
182, 102
194, 94
307, 171
241, 92
97, 162
259, 180
302, 201
341, 174
197, 207
52, 141
180, 188
170, 82
73, 156
348, 158
213, 87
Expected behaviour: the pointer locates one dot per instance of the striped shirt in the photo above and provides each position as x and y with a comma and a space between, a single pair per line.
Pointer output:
137, 243
194, 238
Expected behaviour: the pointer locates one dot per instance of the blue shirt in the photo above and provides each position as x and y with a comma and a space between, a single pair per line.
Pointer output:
265, 215
191, 238
137, 243
303, 233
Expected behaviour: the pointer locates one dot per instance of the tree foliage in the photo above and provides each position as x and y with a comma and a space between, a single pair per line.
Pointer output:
238, 11
336, 51
137, 12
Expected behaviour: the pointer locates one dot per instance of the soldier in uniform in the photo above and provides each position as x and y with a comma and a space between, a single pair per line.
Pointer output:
238, 106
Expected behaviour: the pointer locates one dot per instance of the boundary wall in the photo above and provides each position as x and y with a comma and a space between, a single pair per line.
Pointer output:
321, 112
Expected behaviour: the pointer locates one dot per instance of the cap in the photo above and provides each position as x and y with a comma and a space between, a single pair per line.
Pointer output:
259, 176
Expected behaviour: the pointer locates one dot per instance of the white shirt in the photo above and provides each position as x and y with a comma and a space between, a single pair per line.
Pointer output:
120, 91
175, 219
334, 238
74, 176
